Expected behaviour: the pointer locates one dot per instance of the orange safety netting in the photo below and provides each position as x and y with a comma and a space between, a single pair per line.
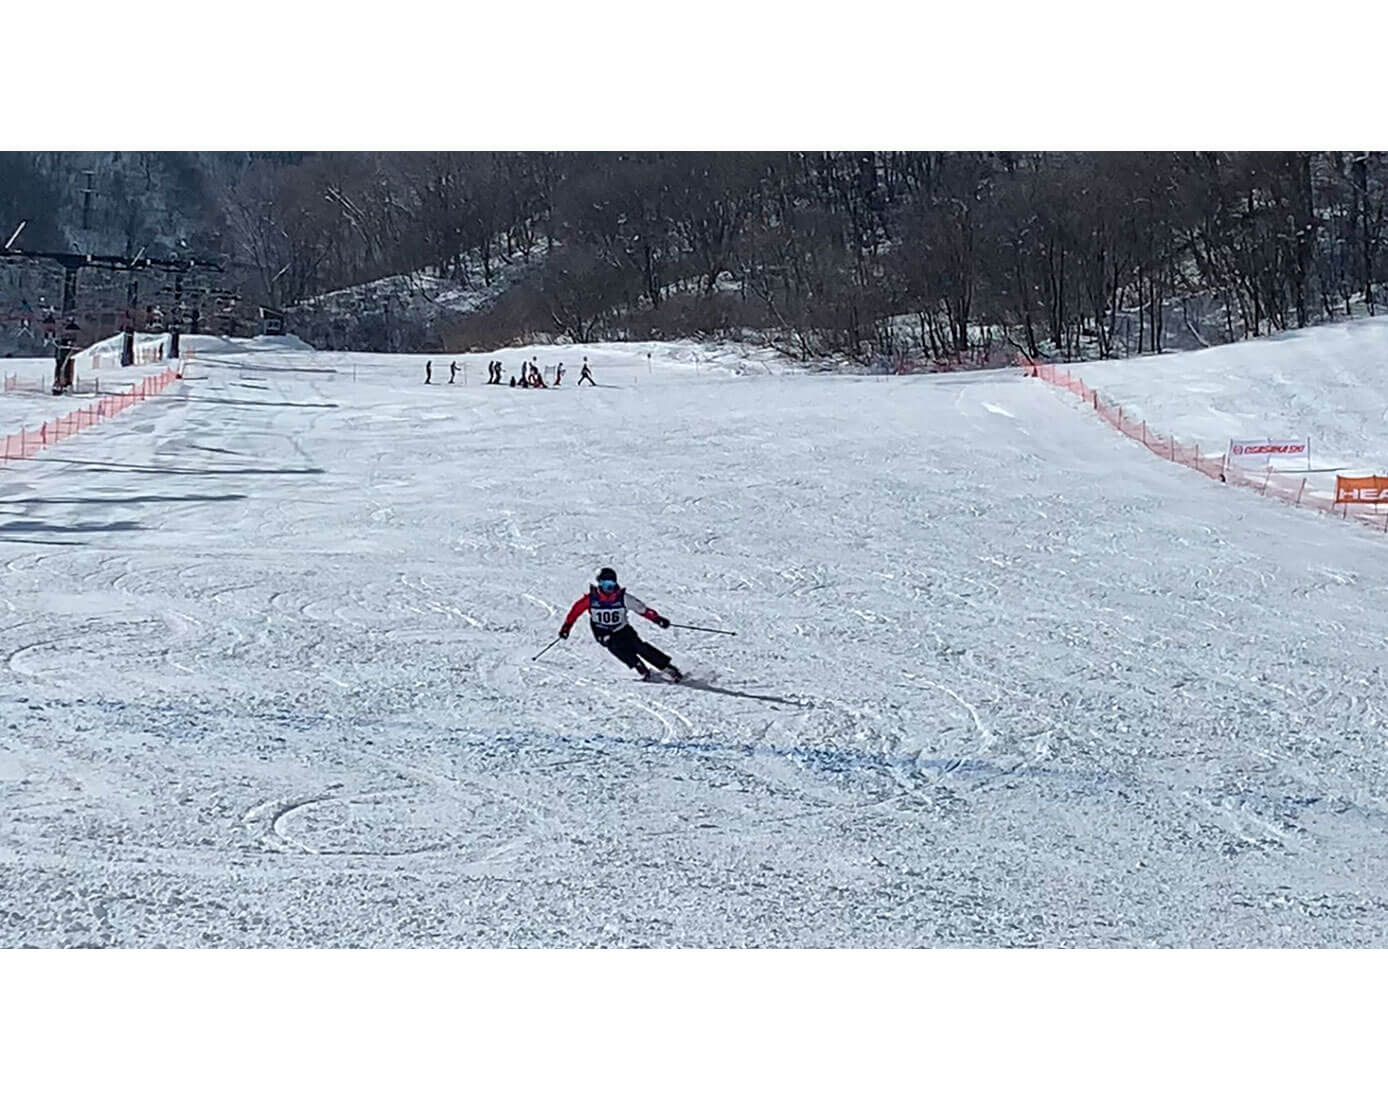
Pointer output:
26, 443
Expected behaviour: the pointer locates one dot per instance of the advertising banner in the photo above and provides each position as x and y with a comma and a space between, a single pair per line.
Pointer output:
1262, 452
1361, 490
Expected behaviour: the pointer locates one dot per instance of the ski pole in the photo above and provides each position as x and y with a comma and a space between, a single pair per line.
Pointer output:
546, 649
705, 629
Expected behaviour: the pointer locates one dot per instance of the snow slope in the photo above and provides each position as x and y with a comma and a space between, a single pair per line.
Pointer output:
1000, 677
1328, 383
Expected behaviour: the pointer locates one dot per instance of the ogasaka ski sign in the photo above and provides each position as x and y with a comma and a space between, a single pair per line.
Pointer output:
1263, 451
1361, 490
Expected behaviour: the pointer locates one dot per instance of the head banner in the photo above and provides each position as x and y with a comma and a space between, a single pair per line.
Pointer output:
1361, 490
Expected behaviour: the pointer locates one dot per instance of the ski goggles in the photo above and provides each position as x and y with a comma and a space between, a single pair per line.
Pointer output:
608, 586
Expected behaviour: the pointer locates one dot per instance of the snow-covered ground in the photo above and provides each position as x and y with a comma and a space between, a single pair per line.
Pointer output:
1000, 676
1328, 384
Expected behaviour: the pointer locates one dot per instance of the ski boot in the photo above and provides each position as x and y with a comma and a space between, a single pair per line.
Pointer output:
643, 671
674, 673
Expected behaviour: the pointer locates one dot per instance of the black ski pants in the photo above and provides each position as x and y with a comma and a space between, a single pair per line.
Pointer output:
629, 647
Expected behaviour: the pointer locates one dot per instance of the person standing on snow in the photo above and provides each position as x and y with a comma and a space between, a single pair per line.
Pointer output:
607, 605
452, 371
585, 375
428, 371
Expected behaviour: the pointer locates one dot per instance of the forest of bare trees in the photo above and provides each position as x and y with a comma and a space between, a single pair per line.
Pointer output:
863, 254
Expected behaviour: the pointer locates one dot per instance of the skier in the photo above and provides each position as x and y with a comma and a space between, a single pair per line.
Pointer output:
585, 374
428, 371
559, 374
452, 371
607, 605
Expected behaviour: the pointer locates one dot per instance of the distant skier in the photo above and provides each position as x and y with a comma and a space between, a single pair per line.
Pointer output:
585, 375
428, 371
559, 374
607, 605
452, 371
537, 382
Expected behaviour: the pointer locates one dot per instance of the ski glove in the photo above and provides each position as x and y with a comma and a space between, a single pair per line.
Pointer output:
563, 632
662, 622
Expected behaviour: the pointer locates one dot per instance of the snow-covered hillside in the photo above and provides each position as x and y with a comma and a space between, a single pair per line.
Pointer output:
407, 310
999, 677
1328, 384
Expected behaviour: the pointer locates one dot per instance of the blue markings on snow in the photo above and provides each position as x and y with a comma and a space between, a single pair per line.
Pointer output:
831, 759
195, 723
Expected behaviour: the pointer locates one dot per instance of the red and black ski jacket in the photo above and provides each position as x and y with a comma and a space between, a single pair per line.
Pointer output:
608, 610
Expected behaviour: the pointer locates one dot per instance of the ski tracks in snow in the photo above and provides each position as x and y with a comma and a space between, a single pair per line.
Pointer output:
993, 682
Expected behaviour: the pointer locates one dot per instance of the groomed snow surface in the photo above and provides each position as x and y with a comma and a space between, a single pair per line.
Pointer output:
1325, 384
1001, 677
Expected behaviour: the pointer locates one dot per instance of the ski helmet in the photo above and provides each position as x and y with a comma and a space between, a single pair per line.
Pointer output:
607, 573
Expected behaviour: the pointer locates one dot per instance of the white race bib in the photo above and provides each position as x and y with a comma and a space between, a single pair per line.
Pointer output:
609, 618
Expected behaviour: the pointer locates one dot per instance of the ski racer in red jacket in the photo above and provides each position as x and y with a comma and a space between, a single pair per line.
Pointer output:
607, 605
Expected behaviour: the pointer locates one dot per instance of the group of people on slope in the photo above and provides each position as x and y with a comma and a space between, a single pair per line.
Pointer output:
530, 376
